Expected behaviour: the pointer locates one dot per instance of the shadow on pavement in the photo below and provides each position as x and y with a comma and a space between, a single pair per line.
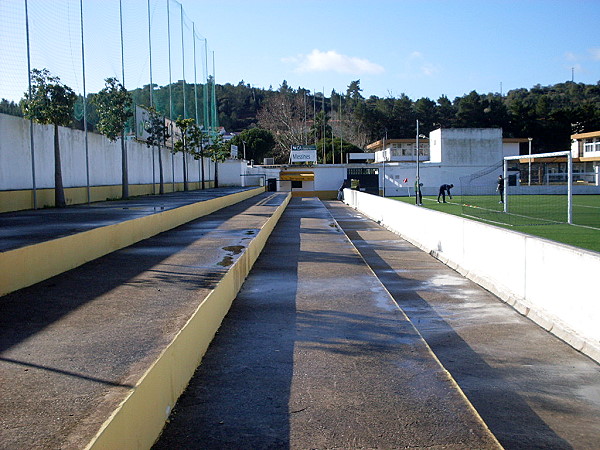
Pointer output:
514, 423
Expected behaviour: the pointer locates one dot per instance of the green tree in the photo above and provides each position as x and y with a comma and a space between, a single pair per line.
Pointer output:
158, 136
354, 91
427, 113
114, 108
50, 102
446, 112
258, 143
217, 151
189, 143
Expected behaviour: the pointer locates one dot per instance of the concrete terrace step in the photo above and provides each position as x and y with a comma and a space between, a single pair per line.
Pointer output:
36, 245
314, 353
95, 357
531, 389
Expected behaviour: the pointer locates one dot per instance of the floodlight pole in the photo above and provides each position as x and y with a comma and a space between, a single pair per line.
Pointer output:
570, 188
31, 119
418, 181
529, 177
505, 181
383, 154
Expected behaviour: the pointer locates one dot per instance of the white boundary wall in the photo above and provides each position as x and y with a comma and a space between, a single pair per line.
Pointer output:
548, 282
104, 158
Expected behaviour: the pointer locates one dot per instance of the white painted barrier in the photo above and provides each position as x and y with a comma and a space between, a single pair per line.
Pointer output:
104, 159
549, 282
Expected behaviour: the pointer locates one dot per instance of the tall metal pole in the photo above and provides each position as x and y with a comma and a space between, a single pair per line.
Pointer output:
30, 120
184, 155
505, 180
150, 50
570, 188
383, 154
125, 181
195, 80
205, 97
332, 148
529, 176
171, 129
196, 95
418, 181
323, 135
315, 115
214, 95
150, 93
182, 61
305, 130
85, 128
341, 135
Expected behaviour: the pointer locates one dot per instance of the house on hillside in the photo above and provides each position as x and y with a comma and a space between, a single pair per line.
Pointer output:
585, 149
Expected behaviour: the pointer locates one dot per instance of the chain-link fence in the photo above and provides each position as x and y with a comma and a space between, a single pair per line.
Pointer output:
83, 42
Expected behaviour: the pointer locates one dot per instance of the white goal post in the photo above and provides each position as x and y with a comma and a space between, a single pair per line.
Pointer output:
537, 156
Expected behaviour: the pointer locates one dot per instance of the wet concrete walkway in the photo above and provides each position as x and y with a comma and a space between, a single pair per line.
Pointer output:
21, 228
73, 346
315, 354
530, 388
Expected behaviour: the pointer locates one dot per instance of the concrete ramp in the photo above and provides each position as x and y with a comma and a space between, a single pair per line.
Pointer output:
314, 353
96, 357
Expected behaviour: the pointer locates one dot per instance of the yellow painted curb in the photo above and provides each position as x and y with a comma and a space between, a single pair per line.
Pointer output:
26, 266
18, 200
139, 419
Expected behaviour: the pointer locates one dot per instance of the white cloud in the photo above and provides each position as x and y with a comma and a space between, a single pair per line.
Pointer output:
595, 52
416, 61
331, 61
570, 56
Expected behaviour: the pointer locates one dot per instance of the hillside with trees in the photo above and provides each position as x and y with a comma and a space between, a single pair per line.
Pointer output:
349, 121
548, 114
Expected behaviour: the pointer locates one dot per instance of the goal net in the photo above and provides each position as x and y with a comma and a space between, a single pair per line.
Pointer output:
521, 190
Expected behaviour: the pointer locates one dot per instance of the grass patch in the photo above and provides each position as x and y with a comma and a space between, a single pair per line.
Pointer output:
527, 217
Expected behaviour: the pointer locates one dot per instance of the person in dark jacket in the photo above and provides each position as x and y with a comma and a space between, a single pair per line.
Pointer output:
445, 189
500, 188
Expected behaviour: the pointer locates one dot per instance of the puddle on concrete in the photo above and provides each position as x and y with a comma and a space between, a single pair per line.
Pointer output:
226, 262
235, 249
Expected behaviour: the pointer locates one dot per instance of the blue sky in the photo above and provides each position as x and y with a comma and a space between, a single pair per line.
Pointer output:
420, 48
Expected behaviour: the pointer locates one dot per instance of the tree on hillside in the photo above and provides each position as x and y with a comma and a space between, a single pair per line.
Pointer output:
426, 112
258, 143
446, 112
50, 102
354, 91
283, 115
114, 108
158, 136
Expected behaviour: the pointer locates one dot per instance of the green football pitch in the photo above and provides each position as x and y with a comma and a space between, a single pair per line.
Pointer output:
539, 215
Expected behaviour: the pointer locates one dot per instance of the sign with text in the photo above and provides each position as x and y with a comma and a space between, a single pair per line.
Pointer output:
234, 151
303, 153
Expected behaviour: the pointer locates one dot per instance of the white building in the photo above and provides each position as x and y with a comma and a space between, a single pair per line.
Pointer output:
446, 156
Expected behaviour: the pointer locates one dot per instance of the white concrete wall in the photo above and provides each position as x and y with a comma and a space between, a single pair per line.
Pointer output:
104, 158
328, 177
537, 277
230, 173
466, 146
